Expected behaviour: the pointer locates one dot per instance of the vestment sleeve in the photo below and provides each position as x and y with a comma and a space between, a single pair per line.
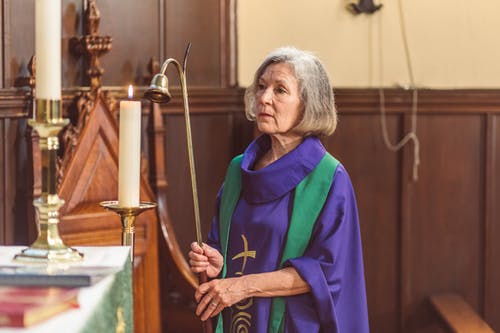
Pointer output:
332, 265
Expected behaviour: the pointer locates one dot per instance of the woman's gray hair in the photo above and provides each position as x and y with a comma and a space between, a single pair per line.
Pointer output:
319, 116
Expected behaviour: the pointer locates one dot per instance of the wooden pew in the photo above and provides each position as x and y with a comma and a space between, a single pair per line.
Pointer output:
458, 315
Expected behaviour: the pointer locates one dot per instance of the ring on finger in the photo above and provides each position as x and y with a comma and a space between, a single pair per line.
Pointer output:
214, 304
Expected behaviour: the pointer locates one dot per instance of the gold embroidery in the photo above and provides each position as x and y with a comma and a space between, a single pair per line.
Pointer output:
120, 321
240, 323
241, 320
245, 304
245, 254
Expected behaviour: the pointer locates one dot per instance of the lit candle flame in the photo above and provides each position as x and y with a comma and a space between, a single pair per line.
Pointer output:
130, 92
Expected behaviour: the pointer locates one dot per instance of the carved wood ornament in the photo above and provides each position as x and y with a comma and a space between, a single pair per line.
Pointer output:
91, 44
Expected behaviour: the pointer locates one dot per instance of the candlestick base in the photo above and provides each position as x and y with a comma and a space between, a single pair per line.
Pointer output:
127, 218
48, 247
40, 255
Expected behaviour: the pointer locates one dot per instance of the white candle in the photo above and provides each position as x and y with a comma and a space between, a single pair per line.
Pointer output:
129, 160
48, 49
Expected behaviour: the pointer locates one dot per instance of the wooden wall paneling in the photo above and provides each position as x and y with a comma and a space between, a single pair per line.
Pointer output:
19, 39
23, 210
16, 182
492, 226
211, 143
243, 132
212, 148
162, 30
179, 194
3, 19
375, 174
214, 133
9, 180
146, 271
446, 219
3, 190
15, 175
405, 201
174, 273
72, 67
197, 22
214, 143
228, 45
139, 302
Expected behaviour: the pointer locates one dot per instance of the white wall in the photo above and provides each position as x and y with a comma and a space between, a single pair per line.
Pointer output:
452, 43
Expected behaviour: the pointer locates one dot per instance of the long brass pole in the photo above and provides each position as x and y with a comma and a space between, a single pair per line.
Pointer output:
207, 325
192, 170
158, 92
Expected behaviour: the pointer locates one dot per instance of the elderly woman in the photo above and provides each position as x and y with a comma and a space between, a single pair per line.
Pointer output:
284, 251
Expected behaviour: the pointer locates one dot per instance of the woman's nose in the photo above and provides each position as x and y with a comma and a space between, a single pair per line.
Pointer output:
266, 95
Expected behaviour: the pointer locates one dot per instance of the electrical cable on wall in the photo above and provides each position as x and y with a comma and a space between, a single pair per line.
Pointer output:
412, 134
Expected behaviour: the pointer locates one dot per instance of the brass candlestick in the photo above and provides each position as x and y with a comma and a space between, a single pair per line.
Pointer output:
127, 218
48, 247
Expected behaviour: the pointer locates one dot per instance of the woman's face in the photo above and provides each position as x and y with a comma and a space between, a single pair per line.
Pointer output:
278, 100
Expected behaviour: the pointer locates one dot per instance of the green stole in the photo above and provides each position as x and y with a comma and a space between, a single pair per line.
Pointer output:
310, 197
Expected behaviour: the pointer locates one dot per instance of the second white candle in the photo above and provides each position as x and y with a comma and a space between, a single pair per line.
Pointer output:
129, 163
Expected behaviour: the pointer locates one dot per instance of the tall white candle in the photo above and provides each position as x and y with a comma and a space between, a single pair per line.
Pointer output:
129, 152
48, 49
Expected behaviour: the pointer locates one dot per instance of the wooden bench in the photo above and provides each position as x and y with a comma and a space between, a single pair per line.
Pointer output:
458, 315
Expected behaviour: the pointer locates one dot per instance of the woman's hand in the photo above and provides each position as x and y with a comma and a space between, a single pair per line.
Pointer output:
214, 296
206, 259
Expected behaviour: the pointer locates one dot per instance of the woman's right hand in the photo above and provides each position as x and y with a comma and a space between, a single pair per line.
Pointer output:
206, 259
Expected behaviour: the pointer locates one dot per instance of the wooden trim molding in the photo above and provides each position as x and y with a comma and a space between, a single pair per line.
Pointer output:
15, 103
429, 101
228, 55
207, 101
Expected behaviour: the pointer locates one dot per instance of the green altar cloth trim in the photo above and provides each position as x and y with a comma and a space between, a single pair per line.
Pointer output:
115, 312
309, 199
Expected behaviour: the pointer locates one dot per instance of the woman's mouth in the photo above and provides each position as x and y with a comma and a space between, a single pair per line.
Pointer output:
264, 115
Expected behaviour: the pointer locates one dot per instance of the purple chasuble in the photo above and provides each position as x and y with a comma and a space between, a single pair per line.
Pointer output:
332, 264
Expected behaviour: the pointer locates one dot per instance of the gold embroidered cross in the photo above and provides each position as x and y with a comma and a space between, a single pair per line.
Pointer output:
245, 254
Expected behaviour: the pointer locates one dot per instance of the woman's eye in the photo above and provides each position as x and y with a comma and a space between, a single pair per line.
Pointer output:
280, 90
261, 86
